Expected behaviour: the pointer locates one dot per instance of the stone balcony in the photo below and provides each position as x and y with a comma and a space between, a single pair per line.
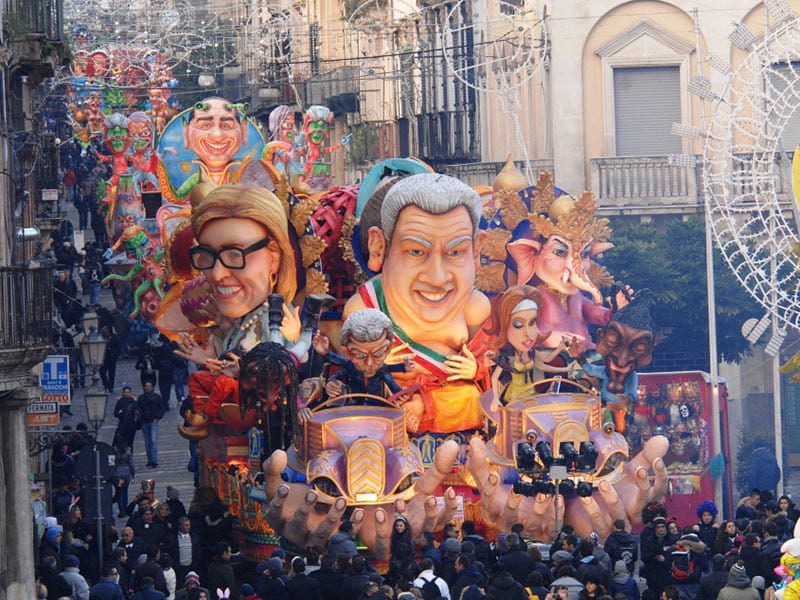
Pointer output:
26, 321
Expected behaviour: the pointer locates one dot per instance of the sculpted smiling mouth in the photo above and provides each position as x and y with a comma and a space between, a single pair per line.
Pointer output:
227, 290
216, 147
432, 296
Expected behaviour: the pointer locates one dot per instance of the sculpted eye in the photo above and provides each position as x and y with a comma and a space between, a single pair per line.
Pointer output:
560, 250
416, 252
516, 324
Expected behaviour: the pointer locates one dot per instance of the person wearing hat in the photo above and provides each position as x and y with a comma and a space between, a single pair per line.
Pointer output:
342, 541
688, 563
301, 586
270, 579
450, 548
72, 575
738, 586
707, 528
190, 582
655, 556
247, 592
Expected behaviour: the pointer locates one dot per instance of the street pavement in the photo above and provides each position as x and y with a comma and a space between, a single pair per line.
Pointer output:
173, 450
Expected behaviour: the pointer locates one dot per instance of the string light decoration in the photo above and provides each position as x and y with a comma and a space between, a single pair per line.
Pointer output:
745, 172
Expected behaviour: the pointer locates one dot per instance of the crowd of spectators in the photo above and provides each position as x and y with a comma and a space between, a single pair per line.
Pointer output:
165, 549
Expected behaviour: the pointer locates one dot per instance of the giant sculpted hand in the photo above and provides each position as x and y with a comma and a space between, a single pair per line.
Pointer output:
622, 498
293, 512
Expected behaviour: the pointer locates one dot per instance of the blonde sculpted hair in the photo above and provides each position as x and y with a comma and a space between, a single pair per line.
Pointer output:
257, 204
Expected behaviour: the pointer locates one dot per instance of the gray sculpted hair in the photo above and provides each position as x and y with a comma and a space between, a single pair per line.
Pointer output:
366, 325
432, 192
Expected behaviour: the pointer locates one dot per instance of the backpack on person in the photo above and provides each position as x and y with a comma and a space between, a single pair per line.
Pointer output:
683, 564
430, 589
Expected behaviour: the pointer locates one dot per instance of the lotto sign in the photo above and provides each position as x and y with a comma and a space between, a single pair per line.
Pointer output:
55, 379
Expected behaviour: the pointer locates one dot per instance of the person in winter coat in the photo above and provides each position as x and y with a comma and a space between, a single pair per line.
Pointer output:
622, 545
402, 551
516, 561
707, 528
712, 583
468, 574
655, 557
754, 559
623, 583
503, 585
220, 573
342, 542
738, 586
125, 410
72, 575
687, 564
107, 588
301, 586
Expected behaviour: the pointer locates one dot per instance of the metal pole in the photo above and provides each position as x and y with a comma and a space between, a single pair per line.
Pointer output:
713, 368
98, 499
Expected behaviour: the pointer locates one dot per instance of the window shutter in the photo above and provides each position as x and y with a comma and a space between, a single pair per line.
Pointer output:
647, 100
783, 76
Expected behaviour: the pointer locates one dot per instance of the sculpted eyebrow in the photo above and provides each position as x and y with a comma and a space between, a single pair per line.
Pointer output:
459, 240
418, 240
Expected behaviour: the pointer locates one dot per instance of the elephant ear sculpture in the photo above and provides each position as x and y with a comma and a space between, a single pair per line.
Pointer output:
542, 237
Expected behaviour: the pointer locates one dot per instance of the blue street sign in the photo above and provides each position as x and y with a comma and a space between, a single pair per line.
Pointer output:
55, 379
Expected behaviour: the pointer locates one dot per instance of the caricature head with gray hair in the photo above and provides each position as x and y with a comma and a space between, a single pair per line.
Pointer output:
366, 325
432, 192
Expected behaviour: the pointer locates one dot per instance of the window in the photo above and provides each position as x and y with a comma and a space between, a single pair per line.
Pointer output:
647, 100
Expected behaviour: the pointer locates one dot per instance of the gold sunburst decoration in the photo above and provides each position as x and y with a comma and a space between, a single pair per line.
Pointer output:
489, 278
311, 247
316, 282
302, 211
494, 248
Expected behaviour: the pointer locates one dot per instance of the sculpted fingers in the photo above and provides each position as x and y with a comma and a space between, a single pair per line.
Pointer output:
275, 508
450, 507
538, 513
319, 536
661, 477
273, 467
298, 527
612, 501
511, 510
443, 462
383, 534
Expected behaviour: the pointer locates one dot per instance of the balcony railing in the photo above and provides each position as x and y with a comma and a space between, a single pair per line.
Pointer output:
484, 173
26, 17
650, 185
26, 317
650, 181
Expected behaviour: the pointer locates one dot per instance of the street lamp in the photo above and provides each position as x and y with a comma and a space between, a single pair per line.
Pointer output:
93, 345
96, 404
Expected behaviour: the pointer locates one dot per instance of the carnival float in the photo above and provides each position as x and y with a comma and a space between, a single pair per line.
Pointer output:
398, 347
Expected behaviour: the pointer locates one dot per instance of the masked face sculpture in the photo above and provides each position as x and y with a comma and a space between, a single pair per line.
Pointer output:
627, 342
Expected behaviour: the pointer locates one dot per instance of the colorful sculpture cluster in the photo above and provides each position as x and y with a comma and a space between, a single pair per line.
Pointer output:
456, 365
446, 391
